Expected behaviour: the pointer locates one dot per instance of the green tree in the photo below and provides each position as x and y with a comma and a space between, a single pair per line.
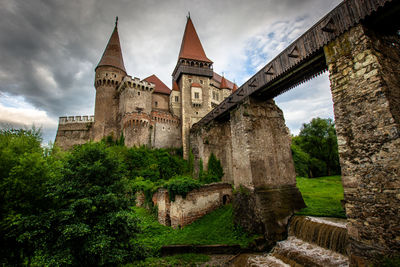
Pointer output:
91, 223
318, 140
24, 172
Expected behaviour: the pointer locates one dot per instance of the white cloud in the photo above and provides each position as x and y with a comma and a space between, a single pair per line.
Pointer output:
18, 112
306, 101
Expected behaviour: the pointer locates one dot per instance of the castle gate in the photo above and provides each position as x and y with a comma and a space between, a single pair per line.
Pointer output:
359, 44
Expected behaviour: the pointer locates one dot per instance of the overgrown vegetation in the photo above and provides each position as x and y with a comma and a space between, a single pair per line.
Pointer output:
182, 260
74, 208
322, 196
214, 228
315, 149
214, 171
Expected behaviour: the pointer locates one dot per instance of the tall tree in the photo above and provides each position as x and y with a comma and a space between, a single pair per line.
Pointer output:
318, 140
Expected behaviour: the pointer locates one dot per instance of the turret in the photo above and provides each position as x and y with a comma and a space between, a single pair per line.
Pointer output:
109, 74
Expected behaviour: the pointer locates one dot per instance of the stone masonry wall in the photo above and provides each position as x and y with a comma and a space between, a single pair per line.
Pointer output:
255, 144
197, 203
261, 146
365, 73
166, 130
107, 102
73, 133
192, 113
214, 139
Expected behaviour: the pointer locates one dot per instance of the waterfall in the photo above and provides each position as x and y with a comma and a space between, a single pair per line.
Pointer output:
320, 232
312, 241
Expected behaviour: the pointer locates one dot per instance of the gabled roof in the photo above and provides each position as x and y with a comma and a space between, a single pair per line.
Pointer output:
218, 78
191, 47
175, 86
112, 55
160, 87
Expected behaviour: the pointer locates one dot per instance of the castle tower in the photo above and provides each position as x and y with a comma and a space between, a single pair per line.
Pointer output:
192, 76
109, 73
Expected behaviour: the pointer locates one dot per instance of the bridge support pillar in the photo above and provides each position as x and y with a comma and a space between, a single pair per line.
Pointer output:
263, 170
364, 68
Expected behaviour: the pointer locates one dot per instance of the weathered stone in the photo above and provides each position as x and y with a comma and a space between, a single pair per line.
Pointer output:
367, 113
267, 211
254, 147
196, 204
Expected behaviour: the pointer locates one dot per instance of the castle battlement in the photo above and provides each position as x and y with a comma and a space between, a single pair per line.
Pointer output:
164, 117
76, 119
135, 83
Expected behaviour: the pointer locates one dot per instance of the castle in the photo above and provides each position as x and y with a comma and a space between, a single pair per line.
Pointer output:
147, 112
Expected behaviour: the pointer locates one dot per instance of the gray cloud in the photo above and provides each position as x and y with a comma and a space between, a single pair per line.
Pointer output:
50, 48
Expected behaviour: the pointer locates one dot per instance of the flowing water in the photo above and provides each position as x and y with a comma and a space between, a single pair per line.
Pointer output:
312, 242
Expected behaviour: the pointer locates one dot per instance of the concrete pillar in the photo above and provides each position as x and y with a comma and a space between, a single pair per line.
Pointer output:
365, 82
263, 169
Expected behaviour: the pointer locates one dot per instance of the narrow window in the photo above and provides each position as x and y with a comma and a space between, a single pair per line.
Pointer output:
176, 98
138, 93
190, 80
196, 95
201, 81
156, 103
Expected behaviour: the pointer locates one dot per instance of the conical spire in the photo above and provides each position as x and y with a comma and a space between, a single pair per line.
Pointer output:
224, 84
191, 47
234, 87
112, 55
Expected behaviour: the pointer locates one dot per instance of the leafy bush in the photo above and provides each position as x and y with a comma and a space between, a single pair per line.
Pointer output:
301, 161
214, 171
181, 185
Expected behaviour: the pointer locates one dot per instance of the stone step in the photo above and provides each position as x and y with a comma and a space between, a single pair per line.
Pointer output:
297, 252
253, 260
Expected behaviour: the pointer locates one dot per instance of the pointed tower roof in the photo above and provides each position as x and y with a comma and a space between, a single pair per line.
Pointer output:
224, 84
112, 55
160, 86
234, 87
191, 47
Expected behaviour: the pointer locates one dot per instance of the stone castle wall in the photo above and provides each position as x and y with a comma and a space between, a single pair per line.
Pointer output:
166, 131
74, 130
160, 101
197, 203
175, 106
137, 129
365, 82
106, 110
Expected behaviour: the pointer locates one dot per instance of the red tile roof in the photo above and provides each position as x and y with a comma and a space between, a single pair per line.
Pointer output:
112, 55
223, 84
234, 87
175, 86
218, 78
196, 85
191, 47
160, 88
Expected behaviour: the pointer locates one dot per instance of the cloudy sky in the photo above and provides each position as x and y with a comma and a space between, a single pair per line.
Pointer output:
49, 50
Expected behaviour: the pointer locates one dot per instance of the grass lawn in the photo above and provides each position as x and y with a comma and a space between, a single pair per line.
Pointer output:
214, 228
182, 260
322, 196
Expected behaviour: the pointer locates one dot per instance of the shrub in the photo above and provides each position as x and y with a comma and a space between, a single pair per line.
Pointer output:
181, 185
